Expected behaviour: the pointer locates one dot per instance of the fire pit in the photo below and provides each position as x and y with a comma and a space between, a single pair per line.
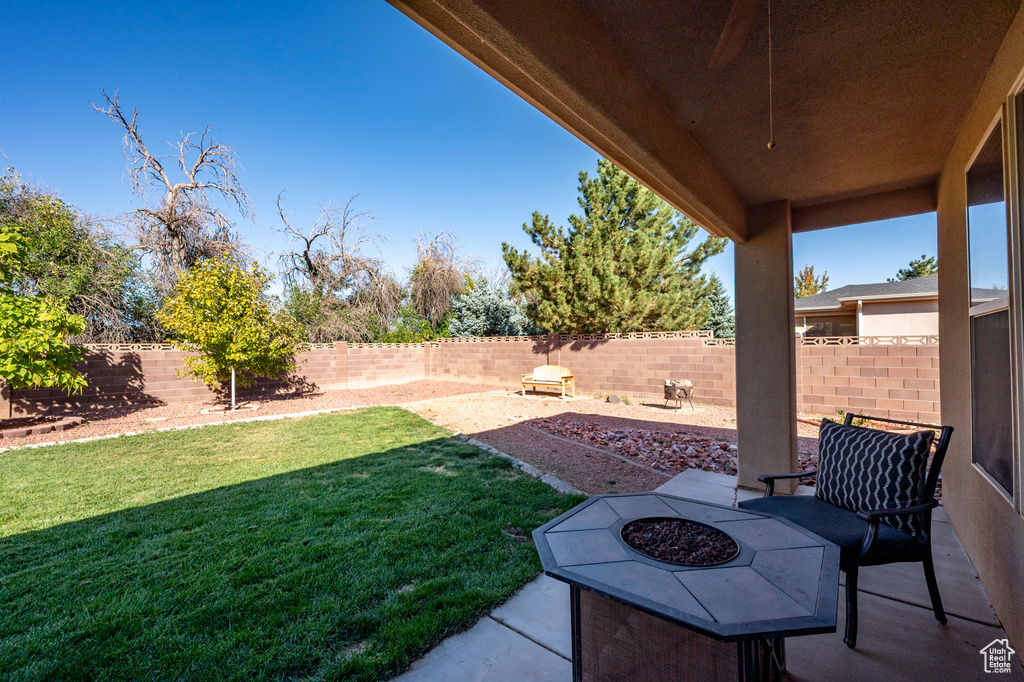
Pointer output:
680, 542
677, 390
718, 609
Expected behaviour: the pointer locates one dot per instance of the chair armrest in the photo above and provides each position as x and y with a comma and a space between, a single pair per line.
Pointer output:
764, 478
769, 480
875, 514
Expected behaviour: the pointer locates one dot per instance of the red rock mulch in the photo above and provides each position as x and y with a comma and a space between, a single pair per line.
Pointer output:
663, 451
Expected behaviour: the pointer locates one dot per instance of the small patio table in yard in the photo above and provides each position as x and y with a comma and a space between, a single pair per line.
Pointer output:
639, 618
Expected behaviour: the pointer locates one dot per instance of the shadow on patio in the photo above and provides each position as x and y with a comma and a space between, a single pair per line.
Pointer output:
529, 637
593, 469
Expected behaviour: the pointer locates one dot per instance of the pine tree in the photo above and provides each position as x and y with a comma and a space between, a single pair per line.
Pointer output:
620, 267
805, 283
917, 268
721, 320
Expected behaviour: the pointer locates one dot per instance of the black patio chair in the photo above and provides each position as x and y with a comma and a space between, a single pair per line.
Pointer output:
868, 536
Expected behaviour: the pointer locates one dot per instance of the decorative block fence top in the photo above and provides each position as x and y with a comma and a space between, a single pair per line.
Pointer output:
704, 336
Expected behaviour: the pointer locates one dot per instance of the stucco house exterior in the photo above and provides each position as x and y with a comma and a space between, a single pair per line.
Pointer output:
865, 111
909, 308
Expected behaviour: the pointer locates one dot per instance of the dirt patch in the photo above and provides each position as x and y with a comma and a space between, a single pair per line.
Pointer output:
580, 466
578, 453
660, 450
110, 419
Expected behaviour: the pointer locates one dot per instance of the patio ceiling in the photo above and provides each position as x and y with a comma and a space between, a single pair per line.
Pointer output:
868, 96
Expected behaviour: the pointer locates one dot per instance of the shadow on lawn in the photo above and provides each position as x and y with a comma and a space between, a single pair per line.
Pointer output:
287, 576
117, 387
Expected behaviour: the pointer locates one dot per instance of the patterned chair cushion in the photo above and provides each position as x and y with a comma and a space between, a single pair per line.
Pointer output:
864, 469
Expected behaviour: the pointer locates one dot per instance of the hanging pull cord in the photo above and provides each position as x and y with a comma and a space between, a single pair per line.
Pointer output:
771, 121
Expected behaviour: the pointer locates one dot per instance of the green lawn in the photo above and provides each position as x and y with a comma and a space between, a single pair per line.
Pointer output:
333, 547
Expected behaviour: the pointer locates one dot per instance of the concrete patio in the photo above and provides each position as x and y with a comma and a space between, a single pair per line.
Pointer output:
528, 638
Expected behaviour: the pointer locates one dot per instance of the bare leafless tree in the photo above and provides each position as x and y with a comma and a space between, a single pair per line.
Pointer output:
339, 288
440, 273
380, 293
498, 277
332, 254
184, 227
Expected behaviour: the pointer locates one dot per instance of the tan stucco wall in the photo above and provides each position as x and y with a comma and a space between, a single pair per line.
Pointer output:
903, 318
991, 530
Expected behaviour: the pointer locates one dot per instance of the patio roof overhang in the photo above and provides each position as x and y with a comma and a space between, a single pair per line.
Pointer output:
868, 97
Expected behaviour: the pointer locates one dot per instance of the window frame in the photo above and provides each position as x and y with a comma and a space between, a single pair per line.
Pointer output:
1013, 165
1005, 119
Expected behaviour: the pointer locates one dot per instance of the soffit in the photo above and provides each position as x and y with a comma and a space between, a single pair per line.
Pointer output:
868, 96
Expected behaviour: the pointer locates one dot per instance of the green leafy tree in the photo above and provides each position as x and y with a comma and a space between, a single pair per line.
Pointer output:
224, 312
620, 267
487, 310
74, 261
927, 265
409, 326
721, 320
806, 283
34, 329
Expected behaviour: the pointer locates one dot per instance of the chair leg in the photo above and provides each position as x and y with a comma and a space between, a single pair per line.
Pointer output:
933, 589
851, 607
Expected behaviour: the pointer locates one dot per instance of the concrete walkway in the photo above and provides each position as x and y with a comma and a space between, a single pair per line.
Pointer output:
528, 638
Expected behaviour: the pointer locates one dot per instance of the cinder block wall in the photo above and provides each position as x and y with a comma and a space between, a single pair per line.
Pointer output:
379, 364
639, 366
151, 375
886, 381
899, 382
499, 361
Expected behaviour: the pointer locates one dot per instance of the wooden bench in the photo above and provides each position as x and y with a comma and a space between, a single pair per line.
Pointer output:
551, 376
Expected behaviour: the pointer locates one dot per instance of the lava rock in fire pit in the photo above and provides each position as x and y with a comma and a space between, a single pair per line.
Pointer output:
679, 541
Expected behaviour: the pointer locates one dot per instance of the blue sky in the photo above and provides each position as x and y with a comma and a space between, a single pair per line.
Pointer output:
325, 101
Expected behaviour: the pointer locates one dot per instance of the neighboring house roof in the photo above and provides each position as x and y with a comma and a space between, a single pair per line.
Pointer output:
918, 287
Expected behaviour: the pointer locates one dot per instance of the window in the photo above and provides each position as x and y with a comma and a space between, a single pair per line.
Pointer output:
992, 366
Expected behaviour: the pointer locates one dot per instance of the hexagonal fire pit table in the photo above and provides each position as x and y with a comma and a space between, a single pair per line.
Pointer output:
640, 618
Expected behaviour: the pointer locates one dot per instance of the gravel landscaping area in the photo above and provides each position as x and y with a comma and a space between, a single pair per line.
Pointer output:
595, 446
574, 439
